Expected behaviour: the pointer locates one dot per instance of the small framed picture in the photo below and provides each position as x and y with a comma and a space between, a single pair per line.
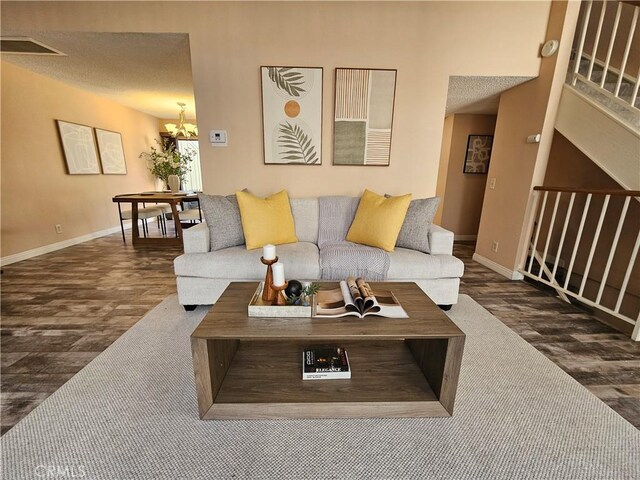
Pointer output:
79, 148
478, 154
111, 152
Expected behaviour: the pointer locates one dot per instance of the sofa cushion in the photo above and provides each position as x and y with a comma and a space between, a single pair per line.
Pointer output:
266, 220
414, 233
409, 264
335, 217
305, 216
301, 262
378, 220
346, 259
223, 219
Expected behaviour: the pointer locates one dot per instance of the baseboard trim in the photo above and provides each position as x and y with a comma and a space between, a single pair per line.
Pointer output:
465, 238
504, 271
35, 252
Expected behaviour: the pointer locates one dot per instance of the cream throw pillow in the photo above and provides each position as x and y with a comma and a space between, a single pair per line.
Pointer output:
266, 220
378, 220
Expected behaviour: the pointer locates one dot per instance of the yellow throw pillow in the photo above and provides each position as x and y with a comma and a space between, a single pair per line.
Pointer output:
266, 220
378, 220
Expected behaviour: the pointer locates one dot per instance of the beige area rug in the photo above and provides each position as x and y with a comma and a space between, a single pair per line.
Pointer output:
131, 414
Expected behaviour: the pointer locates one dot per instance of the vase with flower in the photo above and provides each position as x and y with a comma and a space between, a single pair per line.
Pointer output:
168, 164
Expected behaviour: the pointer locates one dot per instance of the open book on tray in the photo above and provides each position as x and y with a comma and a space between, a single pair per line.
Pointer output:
355, 297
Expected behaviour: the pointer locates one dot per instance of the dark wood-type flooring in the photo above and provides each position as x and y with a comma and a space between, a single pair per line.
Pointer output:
60, 310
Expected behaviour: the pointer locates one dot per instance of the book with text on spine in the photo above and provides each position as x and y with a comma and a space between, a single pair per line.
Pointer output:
325, 364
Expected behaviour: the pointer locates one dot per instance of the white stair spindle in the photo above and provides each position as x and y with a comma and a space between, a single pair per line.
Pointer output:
612, 41
597, 39
627, 275
564, 233
535, 240
614, 245
583, 36
625, 57
636, 330
594, 244
551, 224
534, 208
578, 238
634, 95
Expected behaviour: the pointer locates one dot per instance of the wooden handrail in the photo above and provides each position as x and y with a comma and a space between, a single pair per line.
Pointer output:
594, 191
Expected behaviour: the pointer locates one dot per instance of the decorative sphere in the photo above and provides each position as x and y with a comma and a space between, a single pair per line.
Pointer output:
294, 289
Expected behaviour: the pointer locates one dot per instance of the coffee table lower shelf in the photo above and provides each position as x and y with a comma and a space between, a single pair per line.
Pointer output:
238, 379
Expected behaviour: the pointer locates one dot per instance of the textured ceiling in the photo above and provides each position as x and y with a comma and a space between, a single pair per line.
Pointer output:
478, 94
145, 71
151, 72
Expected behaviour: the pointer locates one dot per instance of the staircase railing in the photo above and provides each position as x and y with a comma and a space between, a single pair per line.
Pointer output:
576, 240
607, 72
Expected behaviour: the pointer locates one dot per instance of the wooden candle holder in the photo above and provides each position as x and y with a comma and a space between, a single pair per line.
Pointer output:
279, 299
268, 295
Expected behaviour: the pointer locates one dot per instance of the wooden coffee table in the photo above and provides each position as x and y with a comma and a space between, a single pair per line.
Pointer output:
247, 367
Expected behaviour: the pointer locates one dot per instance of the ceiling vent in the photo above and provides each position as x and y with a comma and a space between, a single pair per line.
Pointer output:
26, 46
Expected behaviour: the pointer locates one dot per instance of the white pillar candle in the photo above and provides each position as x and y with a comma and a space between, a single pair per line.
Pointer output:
278, 274
269, 252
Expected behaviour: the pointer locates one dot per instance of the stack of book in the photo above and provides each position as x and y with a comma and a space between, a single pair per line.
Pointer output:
325, 363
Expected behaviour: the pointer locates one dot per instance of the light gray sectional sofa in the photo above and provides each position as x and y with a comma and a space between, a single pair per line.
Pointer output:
202, 275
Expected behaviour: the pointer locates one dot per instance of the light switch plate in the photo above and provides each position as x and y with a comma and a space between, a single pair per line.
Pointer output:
218, 138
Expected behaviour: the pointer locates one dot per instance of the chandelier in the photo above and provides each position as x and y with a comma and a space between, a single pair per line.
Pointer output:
182, 129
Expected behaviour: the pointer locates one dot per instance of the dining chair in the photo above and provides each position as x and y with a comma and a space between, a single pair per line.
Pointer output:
144, 214
188, 212
191, 215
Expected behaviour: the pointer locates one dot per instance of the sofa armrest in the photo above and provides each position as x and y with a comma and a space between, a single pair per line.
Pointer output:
440, 241
196, 239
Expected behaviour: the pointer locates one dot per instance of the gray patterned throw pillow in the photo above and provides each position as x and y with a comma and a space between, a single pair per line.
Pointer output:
414, 233
223, 219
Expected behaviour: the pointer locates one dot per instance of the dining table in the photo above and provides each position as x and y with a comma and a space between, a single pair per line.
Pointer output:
171, 198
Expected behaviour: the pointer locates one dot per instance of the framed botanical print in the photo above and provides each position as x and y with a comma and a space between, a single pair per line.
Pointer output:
79, 148
478, 154
363, 116
292, 115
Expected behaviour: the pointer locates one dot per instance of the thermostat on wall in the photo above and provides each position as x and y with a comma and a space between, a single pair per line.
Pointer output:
218, 138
